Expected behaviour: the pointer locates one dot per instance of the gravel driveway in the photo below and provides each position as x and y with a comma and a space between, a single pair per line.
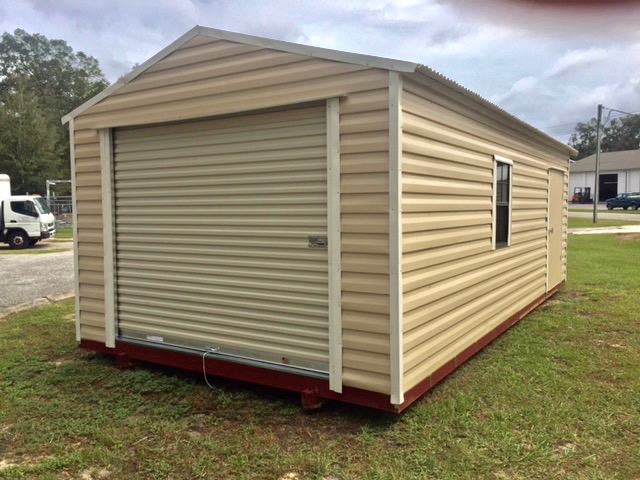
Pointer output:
27, 277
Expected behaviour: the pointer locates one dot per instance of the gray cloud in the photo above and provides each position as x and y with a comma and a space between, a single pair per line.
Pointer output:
607, 21
547, 65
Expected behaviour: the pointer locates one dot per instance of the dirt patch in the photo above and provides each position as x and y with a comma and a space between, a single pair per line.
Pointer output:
613, 345
566, 448
566, 296
628, 237
23, 462
95, 474
607, 378
4, 464
296, 476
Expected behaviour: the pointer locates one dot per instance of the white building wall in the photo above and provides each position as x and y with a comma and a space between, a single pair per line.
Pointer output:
633, 181
628, 180
579, 179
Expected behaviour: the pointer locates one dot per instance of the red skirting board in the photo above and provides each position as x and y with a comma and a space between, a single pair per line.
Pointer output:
313, 390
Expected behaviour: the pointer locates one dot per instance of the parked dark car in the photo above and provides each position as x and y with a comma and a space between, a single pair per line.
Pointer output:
624, 201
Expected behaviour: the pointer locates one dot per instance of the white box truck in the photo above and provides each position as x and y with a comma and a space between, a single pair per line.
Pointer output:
24, 219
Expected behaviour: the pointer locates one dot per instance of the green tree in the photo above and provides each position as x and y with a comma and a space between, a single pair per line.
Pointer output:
52, 80
584, 138
623, 134
619, 134
28, 141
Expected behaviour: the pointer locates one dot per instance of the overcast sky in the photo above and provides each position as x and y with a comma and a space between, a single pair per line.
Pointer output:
549, 65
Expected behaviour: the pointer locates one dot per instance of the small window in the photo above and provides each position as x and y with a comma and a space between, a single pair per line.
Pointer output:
502, 203
24, 208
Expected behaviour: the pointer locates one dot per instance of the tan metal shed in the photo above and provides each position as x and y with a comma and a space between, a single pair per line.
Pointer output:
345, 226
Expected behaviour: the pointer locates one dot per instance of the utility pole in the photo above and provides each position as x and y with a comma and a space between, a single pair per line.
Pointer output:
596, 190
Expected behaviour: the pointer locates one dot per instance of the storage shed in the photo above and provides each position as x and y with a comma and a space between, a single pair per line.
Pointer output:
346, 226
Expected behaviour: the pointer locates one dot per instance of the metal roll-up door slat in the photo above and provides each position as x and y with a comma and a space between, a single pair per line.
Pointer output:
212, 227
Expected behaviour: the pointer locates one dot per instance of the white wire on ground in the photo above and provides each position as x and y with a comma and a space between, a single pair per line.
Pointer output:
204, 369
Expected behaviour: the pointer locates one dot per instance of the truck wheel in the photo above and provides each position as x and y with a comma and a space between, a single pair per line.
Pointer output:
609, 207
634, 207
18, 240
625, 208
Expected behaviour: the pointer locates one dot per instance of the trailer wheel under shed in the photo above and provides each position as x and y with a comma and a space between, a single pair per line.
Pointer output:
345, 226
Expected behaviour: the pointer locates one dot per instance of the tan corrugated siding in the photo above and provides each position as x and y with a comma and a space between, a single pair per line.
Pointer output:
89, 218
364, 187
207, 77
456, 289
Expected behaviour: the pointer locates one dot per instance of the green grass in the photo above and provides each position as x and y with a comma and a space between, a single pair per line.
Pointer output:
588, 223
627, 212
604, 210
5, 250
556, 397
63, 234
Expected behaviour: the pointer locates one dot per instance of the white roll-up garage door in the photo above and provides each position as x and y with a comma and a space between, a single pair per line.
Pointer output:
219, 230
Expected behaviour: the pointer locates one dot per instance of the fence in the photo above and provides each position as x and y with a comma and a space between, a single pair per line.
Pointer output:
62, 207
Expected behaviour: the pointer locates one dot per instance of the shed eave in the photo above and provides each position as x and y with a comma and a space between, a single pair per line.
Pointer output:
172, 47
295, 48
517, 123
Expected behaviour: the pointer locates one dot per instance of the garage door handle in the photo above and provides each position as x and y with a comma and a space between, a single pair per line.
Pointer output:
551, 230
316, 241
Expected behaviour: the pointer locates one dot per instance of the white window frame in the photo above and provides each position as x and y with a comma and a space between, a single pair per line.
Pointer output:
498, 159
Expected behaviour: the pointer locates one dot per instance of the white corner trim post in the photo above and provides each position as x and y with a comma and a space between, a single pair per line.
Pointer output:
395, 238
334, 240
74, 207
106, 166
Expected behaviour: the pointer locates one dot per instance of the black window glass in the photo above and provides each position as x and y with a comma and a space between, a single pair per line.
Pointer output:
24, 208
503, 189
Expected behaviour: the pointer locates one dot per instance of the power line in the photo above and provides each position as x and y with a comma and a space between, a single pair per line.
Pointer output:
620, 111
563, 129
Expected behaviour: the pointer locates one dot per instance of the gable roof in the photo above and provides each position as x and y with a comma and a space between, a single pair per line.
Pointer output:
624, 160
317, 52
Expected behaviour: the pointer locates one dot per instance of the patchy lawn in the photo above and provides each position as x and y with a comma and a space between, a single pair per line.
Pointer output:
588, 223
63, 234
604, 210
556, 397
5, 250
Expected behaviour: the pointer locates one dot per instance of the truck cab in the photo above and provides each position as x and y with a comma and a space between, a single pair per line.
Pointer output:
25, 220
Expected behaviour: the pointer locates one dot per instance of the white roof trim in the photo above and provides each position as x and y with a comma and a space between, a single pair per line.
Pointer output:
324, 53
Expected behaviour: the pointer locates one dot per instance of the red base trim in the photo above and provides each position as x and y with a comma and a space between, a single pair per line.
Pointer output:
313, 390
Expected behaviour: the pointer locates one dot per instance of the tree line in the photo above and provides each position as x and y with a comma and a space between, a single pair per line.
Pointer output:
42, 80
617, 135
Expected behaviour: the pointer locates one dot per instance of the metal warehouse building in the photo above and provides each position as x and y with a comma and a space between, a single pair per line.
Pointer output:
619, 173
346, 226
